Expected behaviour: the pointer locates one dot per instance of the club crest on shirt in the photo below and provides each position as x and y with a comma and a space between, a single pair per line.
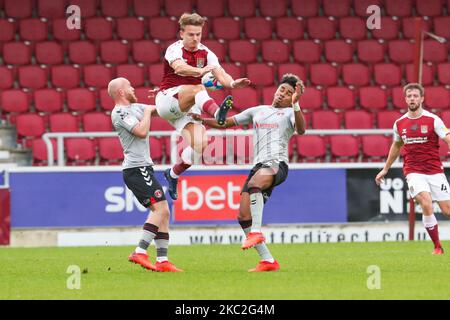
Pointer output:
200, 62
424, 129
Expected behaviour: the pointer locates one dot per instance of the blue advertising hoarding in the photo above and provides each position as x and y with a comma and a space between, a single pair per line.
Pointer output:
100, 199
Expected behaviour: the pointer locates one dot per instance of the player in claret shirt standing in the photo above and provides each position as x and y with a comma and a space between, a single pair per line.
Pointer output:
181, 91
418, 132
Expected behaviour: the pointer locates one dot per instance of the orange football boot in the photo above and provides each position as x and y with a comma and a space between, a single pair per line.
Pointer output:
253, 239
142, 259
166, 266
266, 266
438, 250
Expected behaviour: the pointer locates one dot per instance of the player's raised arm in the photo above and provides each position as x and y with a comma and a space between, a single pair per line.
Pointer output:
183, 69
300, 125
143, 127
227, 81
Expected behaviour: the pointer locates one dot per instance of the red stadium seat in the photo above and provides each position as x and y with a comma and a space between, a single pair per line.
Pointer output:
307, 51
88, 8
408, 27
80, 151
340, 98
62, 33
353, 28
14, 101
429, 8
51, 9
16, 53
445, 116
163, 28
96, 121
39, 150
325, 119
82, 52
242, 51
7, 30
427, 74
32, 77
226, 28
81, 100
441, 26
358, 119
160, 124
33, 29
373, 98
130, 28
434, 51
375, 147
65, 76
110, 151
258, 28
6, 77
336, 8
398, 98
99, 28
305, 8
156, 72
218, 47
386, 119
30, 126
360, 6
290, 28
275, 51
114, 52
48, 101
323, 74
145, 8
339, 51
344, 148
321, 28
176, 8
312, 99
311, 148
387, 74
437, 98
97, 75
63, 122
390, 29
205, 9
134, 73
233, 70
18, 8
401, 51
114, 8
241, 8
49, 52
270, 8
294, 68
106, 103
268, 93
142, 95
356, 74
399, 8
261, 74
244, 98
146, 51
443, 72
370, 51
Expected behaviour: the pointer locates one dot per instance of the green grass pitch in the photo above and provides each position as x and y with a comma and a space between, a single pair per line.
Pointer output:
308, 271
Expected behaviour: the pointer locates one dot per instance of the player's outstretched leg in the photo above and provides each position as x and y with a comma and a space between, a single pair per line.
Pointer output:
140, 256
162, 261
225, 106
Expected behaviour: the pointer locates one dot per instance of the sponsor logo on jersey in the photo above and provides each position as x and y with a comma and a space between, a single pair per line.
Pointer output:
267, 125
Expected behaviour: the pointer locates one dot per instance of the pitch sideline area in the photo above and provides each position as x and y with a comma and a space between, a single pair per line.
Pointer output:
378, 270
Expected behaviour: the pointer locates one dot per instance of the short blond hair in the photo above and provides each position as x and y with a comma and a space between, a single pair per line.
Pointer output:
191, 19
414, 85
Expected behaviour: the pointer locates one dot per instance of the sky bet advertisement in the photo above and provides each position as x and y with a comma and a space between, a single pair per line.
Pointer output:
100, 199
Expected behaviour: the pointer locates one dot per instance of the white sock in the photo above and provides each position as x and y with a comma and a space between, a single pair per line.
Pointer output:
200, 98
173, 175
140, 250
162, 259
262, 249
429, 221
256, 209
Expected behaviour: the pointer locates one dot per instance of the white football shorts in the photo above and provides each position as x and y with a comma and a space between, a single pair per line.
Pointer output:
436, 184
168, 108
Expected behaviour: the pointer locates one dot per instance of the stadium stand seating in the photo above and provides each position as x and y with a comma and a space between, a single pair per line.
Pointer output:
54, 79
